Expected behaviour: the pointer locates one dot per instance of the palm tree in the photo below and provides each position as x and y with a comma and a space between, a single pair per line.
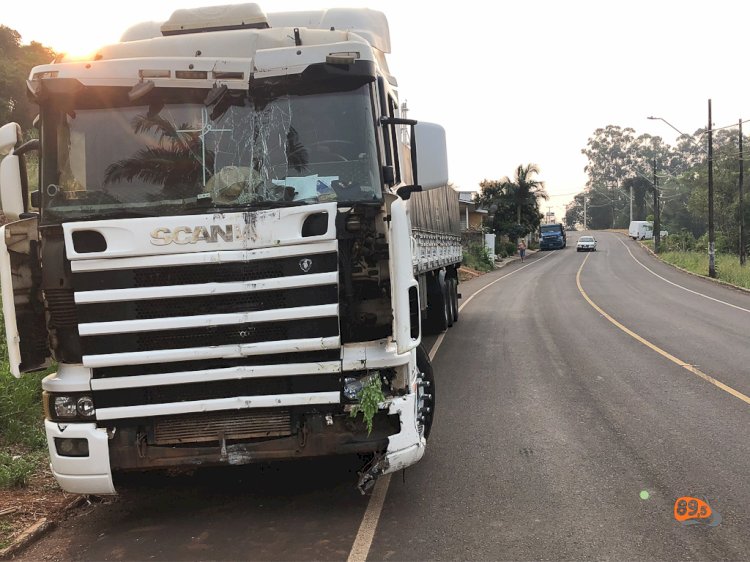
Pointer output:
524, 189
176, 162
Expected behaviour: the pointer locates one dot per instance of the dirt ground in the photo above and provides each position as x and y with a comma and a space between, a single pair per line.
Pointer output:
22, 507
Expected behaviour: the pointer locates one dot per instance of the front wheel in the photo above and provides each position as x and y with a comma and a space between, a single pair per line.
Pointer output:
425, 392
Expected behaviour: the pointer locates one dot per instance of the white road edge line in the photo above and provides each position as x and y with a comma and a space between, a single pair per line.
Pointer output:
680, 286
366, 533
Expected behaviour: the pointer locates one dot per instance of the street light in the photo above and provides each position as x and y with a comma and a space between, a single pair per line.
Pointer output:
651, 117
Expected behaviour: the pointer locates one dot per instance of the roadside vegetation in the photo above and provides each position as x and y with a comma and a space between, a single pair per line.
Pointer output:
22, 441
478, 258
684, 250
728, 267
512, 203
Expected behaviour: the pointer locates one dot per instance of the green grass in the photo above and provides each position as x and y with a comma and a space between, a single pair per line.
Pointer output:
728, 267
23, 444
6, 533
16, 470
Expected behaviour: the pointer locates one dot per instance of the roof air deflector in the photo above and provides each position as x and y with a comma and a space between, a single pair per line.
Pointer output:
215, 18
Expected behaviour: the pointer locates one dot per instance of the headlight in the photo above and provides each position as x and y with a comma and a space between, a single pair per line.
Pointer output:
85, 406
65, 407
69, 407
354, 385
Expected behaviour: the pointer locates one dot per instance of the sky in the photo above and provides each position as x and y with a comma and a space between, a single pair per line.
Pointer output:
527, 81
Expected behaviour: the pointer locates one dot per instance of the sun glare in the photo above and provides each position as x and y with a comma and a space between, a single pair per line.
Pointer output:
85, 46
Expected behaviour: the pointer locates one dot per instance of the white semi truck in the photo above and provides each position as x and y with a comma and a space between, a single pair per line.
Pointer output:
232, 241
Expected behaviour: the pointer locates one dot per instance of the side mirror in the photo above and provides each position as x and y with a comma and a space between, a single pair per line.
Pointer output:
9, 136
11, 188
432, 155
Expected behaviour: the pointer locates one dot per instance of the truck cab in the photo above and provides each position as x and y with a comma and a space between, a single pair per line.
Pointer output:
220, 258
552, 237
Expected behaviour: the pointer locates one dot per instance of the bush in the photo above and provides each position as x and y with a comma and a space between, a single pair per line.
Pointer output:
505, 249
478, 257
721, 244
682, 242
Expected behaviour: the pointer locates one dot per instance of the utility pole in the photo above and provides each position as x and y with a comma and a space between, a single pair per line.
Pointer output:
711, 239
631, 202
584, 212
743, 247
657, 227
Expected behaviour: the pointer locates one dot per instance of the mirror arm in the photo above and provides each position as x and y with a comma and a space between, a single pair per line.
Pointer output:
405, 191
385, 120
28, 146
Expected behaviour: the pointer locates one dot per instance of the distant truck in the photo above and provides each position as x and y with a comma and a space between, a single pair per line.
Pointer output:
641, 230
644, 230
238, 234
552, 237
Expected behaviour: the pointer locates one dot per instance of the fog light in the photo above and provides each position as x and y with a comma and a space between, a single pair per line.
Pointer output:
86, 406
354, 385
72, 447
65, 407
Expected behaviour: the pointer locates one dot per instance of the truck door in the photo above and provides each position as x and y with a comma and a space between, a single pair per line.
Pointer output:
23, 305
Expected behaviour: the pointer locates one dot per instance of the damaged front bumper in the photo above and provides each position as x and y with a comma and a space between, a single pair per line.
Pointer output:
404, 448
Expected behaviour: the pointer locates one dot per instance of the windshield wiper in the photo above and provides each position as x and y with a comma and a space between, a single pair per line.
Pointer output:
97, 214
262, 205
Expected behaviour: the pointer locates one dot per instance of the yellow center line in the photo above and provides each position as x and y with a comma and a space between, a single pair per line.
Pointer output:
660, 351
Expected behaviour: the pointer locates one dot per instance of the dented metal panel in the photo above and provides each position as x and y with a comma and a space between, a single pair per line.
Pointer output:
23, 306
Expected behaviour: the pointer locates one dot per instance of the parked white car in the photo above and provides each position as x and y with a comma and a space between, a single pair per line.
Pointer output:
586, 244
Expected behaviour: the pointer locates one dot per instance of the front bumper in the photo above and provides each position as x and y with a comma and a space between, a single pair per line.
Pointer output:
555, 244
81, 475
395, 439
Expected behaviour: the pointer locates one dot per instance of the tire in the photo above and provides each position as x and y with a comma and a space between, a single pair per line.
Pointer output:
454, 298
425, 367
437, 309
448, 302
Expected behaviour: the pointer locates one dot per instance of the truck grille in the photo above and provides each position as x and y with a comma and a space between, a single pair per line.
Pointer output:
243, 424
179, 335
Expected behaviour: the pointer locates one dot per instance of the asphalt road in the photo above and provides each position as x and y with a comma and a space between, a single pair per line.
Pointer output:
558, 435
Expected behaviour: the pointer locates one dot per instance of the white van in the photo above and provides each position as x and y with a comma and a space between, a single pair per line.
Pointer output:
641, 230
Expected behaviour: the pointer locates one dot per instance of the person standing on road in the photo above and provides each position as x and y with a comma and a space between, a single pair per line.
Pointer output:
522, 249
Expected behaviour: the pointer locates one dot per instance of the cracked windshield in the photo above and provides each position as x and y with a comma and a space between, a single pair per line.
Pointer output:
238, 152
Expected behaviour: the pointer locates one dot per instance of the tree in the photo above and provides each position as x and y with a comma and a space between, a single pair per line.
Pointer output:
16, 62
574, 211
171, 162
525, 190
610, 161
514, 204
